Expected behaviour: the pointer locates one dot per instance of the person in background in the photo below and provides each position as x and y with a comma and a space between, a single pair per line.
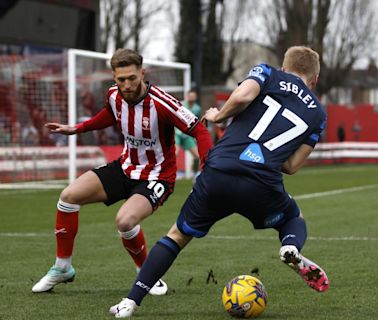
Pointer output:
341, 132
184, 141
29, 134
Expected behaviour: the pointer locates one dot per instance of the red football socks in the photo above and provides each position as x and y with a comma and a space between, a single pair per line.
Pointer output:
135, 244
67, 222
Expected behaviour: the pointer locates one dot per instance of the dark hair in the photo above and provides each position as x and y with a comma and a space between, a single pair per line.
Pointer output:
126, 57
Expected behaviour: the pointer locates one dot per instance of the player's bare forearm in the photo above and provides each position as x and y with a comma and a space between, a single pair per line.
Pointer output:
240, 99
230, 109
60, 128
297, 159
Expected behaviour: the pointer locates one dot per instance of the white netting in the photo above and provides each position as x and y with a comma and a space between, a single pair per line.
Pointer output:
34, 90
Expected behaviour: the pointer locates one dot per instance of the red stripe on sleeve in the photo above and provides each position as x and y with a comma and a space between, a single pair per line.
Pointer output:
167, 98
110, 92
101, 120
204, 141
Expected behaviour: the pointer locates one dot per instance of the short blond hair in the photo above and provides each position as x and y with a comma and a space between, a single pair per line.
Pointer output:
125, 58
302, 60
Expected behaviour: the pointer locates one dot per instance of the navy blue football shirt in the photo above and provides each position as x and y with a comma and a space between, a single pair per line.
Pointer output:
285, 115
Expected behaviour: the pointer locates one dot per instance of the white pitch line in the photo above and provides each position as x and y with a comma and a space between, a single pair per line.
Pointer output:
222, 237
43, 235
33, 187
300, 197
333, 192
22, 191
25, 234
309, 238
334, 170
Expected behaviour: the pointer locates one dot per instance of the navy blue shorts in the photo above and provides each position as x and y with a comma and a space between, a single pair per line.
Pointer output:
217, 195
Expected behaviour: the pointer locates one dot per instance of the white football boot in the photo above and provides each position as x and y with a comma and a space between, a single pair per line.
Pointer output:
160, 288
125, 309
311, 273
53, 277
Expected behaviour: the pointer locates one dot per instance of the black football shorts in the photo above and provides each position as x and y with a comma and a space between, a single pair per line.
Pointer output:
118, 186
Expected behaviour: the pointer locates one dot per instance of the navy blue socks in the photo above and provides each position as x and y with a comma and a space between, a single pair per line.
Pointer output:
293, 232
159, 259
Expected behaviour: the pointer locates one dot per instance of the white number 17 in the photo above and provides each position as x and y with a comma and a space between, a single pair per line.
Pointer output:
267, 118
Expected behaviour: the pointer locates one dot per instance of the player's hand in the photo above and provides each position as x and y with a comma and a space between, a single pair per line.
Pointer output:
60, 128
210, 115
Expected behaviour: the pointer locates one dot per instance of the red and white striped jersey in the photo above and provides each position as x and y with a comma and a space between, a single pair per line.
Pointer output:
148, 131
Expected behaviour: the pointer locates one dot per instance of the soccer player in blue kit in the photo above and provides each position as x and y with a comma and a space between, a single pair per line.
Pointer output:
277, 121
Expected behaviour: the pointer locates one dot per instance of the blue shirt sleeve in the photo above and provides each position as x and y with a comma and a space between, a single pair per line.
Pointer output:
260, 73
315, 135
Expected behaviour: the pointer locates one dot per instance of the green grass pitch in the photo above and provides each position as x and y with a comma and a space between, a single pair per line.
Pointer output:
343, 238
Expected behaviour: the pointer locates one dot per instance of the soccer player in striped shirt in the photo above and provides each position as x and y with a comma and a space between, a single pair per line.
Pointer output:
143, 175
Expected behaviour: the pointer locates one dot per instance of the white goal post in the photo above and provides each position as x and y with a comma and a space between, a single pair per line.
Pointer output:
73, 55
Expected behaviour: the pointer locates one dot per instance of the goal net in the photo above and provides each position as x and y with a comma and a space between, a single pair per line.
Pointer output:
66, 88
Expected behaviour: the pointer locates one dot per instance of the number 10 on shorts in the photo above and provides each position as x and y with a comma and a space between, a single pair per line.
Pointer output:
157, 187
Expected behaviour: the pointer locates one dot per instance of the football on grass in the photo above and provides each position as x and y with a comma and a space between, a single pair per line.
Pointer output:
244, 297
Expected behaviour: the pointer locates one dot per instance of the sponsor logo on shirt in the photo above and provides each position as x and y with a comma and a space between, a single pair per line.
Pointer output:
145, 123
186, 115
253, 154
257, 72
138, 142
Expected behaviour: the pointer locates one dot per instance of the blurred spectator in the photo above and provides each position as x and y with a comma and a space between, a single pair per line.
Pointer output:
7, 108
45, 137
357, 128
5, 135
16, 132
219, 129
341, 132
29, 135
88, 101
5, 130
